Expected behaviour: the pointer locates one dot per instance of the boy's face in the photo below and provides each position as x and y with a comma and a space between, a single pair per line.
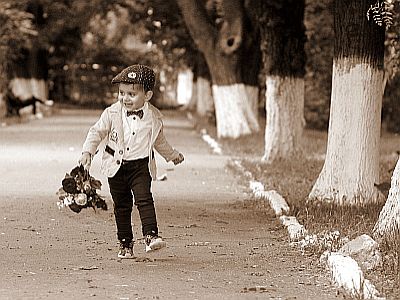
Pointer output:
133, 96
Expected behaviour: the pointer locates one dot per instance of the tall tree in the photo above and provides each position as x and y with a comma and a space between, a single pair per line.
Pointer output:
388, 224
16, 31
283, 38
351, 165
204, 99
229, 45
29, 73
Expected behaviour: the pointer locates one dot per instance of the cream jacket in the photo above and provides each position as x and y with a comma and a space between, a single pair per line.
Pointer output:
110, 127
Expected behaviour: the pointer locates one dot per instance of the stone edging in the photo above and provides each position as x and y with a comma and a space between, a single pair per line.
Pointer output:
344, 270
210, 141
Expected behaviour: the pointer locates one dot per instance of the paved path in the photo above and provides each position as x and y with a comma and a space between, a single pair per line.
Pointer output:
221, 245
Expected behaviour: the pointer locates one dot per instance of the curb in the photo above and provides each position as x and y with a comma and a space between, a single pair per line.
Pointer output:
344, 270
210, 141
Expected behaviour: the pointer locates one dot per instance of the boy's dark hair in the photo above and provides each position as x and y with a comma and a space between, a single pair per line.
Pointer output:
137, 74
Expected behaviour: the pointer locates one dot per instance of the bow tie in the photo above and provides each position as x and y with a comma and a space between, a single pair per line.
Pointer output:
138, 113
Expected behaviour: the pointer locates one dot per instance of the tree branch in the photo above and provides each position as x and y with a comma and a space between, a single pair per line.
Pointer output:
196, 19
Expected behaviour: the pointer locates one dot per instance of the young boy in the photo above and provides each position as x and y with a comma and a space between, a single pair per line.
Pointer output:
132, 128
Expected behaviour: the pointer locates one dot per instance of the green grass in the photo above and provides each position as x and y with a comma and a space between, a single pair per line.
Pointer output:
294, 180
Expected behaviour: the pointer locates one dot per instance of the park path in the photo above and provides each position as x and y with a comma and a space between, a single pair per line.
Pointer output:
221, 245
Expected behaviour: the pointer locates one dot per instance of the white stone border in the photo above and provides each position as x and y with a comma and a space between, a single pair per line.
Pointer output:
345, 271
211, 142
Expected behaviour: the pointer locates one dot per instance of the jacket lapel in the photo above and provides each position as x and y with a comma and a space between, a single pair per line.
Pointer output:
116, 110
157, 123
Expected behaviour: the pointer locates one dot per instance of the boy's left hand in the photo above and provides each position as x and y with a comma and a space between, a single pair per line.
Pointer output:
179, 159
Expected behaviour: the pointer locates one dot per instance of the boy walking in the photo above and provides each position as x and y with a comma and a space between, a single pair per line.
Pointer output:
132, 128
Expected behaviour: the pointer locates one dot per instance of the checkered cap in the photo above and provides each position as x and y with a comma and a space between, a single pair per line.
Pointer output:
139, 74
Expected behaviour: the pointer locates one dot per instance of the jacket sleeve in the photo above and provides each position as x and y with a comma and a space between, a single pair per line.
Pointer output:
164, 148
97, 133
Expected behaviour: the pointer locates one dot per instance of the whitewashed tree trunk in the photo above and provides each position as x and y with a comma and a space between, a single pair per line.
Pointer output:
184, 87
191, 106
285, 118
25, 88
252, 96
388, 225
168, 87
352, 159
233, 111
2, 106
205, 102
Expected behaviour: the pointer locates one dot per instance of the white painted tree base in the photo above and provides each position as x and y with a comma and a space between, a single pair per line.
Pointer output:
234, 113
351, 166
285, 118
205, 102
252, 96
184, 87
25, 88
388, 224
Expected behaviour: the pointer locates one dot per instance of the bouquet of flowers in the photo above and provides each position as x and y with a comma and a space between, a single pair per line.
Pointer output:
78, 191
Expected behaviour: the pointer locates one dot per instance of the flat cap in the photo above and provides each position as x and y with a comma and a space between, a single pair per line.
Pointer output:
139, 74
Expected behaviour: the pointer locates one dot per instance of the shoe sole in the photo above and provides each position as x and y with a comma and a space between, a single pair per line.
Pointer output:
156, 246
125, 256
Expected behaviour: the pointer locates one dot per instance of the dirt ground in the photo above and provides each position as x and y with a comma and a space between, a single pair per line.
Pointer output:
221, 244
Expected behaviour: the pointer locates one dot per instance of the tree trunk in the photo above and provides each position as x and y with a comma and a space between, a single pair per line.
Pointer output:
168, 85
388, 225
222, 47
252, 96
205, 102
192, 104
351, 165
282, 41
233, 110
184, 87
284, 127
30, 71
234, 116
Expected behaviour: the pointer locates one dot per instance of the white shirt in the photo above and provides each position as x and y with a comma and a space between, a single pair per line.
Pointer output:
137, 134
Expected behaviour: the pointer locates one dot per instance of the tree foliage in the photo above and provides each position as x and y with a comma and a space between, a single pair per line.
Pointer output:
16, 31
159, 24
318, 20
391, 100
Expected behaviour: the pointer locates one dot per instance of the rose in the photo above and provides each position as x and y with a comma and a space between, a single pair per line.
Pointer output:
69, 185
86, 186
81, 199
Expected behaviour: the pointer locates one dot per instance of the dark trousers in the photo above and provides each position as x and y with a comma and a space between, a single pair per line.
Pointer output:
133, 176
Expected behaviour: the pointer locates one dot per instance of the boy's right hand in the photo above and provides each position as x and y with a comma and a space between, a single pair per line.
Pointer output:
85, 160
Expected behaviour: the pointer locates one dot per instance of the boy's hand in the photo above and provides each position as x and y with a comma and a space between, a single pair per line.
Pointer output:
85, 160
179, 159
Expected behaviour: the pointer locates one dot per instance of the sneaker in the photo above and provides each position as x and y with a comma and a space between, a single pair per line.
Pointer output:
154, 242
125, 249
